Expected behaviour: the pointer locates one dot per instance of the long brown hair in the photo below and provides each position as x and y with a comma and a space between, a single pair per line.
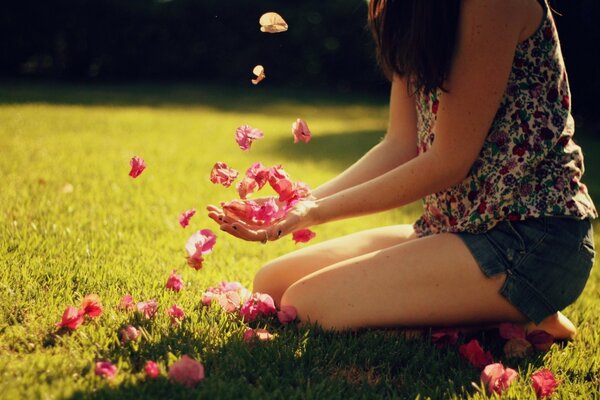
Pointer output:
416, 39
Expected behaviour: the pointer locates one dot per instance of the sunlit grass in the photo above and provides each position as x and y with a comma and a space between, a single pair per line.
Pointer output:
113, 235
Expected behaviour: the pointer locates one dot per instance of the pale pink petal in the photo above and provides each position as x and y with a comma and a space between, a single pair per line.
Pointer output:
303, 236
137, 166
245, 135
184, 217
496, 378
509, 331
201, 242
258, 304
105, 369
186, 371
152, 370
127, 303
222, 174
174, 282
287, 314
72, 318
148, 308
229, 301
300, 131
91, 306
128, 334
544, 383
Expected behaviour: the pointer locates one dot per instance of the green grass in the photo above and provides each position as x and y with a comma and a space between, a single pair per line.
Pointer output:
113, 235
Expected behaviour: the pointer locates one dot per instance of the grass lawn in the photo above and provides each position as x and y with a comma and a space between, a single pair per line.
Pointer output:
72, 222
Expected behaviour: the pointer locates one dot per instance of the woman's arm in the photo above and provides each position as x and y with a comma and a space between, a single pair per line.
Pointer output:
398, 146
488, 36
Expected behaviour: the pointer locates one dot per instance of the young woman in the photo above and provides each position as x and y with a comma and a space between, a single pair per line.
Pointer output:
480, 129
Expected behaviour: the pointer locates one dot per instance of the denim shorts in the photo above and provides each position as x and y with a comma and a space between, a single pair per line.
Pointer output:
547, 261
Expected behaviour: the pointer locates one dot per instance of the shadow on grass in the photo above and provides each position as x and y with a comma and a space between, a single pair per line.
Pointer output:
246, 99
309, 363
342, 149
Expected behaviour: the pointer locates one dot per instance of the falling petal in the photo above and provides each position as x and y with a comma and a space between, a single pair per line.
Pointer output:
259, 71
272, 22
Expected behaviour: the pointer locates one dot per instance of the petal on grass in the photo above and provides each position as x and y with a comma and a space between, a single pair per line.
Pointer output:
152, 370
496, 378
186, 371
544, 383
105, 369
72, 318
473, 353
174, 282
91, 306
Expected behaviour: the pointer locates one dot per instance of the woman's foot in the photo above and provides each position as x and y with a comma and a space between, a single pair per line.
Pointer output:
557, 325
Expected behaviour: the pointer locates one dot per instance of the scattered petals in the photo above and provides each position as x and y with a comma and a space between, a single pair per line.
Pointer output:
272, 22
256, 177
152, 370
510, 331
258, 304
473, 352
496, 378
105, 369
517, 348
72, 318
544, 383
184, 218
230, 301
300, 131
222, 174
260, 334
175, 282
127, 303
259, 71
199, 244
540, 339
187, 371
137, 166
129, 334
227, 294
245, 135
148, 308
91, 306
176, 313
303, 236
444, 337
287, 314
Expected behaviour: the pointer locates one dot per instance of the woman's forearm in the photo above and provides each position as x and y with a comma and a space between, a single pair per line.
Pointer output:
382, 158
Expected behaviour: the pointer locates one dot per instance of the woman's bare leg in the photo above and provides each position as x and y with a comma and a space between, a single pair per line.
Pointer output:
431, 281
276, 276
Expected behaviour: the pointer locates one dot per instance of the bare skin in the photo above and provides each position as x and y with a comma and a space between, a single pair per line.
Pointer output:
387, 277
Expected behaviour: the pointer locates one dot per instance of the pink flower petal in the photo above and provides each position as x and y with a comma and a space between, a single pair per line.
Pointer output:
444, 337
473, 352
255, 178
137, 166
187, 371
509, 331
544, 383
105, 369
496, 378
91, 306
222, 174
184, 217
201, 242
260, 334
176, 313
174, 282
300, 131
245, 135
229, 301
148, 308
540, 339
258, 304
303, 236
72, 318
127, 303
287, 314
152, 370
128, 334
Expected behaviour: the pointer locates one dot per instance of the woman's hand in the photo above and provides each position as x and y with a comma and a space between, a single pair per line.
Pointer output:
302, 215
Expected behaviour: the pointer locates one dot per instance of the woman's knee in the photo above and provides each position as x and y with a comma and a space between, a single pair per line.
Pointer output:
270, 280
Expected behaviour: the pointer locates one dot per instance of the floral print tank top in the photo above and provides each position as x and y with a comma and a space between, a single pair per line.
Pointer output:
529, 165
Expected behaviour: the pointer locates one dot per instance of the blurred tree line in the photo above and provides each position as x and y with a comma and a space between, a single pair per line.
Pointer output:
327, 45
